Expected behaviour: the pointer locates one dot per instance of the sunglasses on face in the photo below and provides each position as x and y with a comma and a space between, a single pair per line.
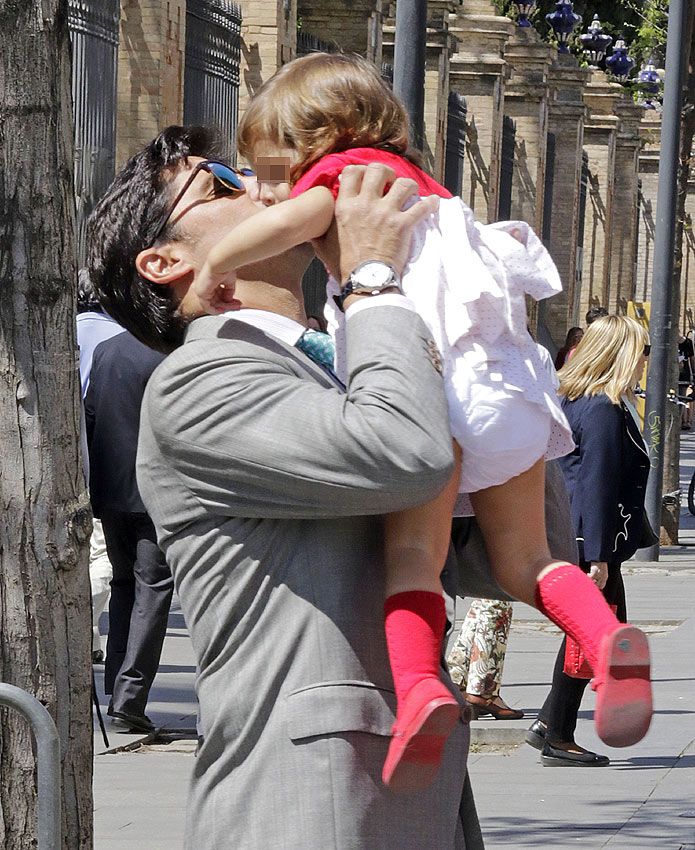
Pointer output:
647, 350
226, 180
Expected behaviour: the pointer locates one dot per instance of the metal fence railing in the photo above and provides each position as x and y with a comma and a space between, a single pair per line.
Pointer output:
47, 760
93, 26
308, 43
212, 72
455, 143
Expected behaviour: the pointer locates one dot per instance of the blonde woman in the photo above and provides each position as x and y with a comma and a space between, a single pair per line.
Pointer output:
606, 477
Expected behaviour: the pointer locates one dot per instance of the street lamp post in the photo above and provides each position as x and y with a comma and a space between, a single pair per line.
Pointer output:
409, 63
661, 324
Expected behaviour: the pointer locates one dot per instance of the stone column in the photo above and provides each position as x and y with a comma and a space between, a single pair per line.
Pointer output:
622, 281
600, 131
354, 25
526, 104
650, 137
566, 115
477, 72
150, 71
268, 40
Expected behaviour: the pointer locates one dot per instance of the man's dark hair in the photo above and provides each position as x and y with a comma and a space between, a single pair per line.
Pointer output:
595, 313
124, 223
87, 301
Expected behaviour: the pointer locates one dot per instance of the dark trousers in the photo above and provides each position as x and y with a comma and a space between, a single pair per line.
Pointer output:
561, 706
141, 591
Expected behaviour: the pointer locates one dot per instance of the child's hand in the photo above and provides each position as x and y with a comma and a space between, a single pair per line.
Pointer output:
215, 292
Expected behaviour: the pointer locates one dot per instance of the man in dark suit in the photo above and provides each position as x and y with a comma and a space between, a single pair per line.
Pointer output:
142, 585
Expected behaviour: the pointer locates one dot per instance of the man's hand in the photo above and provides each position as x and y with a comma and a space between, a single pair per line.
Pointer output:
370, 225
599, 573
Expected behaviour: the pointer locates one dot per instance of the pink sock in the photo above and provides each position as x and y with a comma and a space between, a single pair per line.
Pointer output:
415, 623
569, 598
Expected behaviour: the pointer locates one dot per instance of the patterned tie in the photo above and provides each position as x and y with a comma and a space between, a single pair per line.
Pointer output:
319, 347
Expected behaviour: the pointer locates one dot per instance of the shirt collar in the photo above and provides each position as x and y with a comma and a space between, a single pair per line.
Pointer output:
281, 327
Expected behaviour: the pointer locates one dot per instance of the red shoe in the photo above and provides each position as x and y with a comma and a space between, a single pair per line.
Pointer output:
424, 722
623, 688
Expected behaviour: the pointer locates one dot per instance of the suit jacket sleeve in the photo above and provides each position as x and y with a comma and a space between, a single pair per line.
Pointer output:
598, 482
250, 438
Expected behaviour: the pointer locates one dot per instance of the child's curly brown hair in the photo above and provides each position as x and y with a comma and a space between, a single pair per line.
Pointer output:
325, 103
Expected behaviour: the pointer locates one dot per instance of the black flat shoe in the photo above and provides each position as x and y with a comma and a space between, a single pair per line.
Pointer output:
554, 757
536, 734
127, 722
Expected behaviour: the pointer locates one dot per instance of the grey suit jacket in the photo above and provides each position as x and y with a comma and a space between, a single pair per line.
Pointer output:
267, 484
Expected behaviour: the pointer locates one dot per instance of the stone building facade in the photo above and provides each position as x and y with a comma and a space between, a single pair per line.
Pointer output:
544, 139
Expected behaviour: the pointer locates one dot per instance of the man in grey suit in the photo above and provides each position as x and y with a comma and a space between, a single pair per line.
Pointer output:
266, 481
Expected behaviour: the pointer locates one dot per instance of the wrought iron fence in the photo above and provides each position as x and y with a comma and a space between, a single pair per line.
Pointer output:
93, 26
548, 189
308, 43
211, 78
504, 208
579, 267
455, 143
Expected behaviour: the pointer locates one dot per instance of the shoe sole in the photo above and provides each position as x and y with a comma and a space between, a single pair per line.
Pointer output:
624, 696
416, 766
550, 761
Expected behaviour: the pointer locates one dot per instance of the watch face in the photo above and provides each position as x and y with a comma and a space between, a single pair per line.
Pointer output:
373, 274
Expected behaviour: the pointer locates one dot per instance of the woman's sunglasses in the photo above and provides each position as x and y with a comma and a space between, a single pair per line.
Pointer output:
224, 175
647, 350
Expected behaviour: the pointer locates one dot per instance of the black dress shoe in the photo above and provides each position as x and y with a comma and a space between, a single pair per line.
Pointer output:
536, 734
555, 757
127, 722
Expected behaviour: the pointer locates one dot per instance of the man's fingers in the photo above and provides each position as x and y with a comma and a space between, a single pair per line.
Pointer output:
420, 210
401, 191
376, 177
351, 181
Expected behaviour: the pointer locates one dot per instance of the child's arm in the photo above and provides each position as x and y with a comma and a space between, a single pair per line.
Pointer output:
272, 231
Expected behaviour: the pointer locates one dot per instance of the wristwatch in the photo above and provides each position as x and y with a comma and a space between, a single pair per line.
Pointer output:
369, 278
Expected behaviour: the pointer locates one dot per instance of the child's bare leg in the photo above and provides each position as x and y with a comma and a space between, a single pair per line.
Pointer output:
417, 541
511, 517
512, 520
416, 545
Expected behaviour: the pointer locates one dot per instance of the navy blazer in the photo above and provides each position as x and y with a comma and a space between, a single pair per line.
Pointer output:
606, 477
121, 368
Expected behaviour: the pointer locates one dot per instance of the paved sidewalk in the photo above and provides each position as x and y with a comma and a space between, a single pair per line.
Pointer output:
640, 801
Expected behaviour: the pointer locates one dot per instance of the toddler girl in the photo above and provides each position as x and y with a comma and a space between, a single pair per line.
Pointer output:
469, 283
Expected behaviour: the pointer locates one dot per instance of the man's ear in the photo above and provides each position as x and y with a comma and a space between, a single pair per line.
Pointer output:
163, 264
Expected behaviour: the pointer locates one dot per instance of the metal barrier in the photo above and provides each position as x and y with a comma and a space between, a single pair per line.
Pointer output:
93, 28
212, 68
48, 762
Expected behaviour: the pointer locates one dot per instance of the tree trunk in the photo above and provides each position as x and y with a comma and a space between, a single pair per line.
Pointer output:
45, 520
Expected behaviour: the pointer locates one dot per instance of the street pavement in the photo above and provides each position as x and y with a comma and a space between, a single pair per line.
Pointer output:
645, 799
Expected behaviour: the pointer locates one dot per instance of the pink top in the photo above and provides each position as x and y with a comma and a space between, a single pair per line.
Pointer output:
327, 170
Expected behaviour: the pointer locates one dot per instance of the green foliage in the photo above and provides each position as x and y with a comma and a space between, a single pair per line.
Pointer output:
642, 23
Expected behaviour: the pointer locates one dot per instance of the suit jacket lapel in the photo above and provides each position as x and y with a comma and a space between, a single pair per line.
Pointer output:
222, 327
